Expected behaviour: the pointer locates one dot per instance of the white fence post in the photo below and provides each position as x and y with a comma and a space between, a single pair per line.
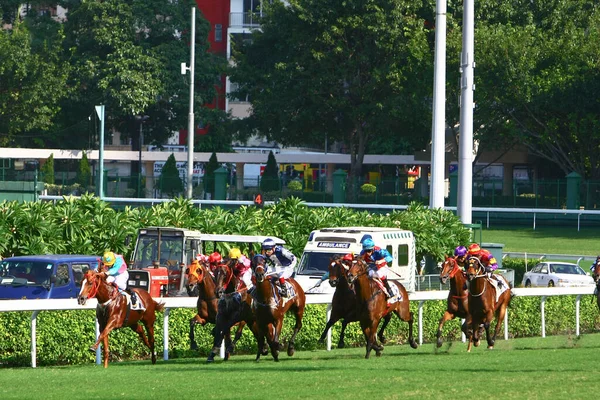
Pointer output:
577, 301
327, 317
33, 339
421, 321
166, 334
543, 310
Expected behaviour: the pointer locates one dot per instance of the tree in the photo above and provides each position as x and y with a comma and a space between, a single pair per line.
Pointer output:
353, 70
170, 181
270, 178
209, 175
48, 170
84, 172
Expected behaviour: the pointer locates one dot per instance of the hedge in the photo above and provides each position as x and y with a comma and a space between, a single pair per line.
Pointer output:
65, 336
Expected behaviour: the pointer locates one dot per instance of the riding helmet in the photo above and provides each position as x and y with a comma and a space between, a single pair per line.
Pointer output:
460, 251
474, 249
109, 258
368, 244
214, 258
235, 253
268, 244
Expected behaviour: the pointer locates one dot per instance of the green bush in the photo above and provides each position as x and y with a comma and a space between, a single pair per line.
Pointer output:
295, 186
368, 188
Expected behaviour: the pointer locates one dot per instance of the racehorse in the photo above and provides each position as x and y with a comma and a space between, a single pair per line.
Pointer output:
114, 312
458, 298
483, 306
270, 308
373, 305
596, 276
201, 281
344, 304
234, 307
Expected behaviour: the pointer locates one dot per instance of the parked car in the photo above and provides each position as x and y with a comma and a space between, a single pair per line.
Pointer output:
553, 273
44, 276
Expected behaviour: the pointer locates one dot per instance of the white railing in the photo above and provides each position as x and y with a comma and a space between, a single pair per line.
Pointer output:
189, 302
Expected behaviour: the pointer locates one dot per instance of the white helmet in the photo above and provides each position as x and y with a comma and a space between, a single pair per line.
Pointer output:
268, 244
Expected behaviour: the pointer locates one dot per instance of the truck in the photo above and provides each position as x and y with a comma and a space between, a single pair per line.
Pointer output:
161, 255
325, 243
44, 276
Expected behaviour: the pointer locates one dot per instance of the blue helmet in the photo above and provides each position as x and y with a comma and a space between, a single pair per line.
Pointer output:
268, 244
460, 251
368, 244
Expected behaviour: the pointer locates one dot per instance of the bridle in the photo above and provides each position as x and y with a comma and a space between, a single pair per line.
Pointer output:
95, 285
478, 274
228, 275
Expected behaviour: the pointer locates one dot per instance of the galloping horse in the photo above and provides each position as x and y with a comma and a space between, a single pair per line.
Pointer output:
458, 298
373, 305
596, 276
201, 281
344, 304
270, 308
113, 312
483, 305
234, 307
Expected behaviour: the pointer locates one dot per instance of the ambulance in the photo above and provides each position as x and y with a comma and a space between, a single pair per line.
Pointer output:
325, 243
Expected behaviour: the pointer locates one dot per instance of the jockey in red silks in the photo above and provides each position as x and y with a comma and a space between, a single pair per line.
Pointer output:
487, 260
242, 267
377, 259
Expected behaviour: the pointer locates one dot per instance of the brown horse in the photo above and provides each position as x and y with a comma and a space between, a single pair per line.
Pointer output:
596, 276
373, 305
483, 306
234, 307
270, 308
114, 312
458, 298
344, 304
201, 281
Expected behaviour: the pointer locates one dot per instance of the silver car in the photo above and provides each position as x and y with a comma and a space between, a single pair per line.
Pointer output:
554, 273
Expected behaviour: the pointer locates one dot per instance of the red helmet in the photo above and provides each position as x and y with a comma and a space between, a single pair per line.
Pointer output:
215, 258
474, 249
348, 257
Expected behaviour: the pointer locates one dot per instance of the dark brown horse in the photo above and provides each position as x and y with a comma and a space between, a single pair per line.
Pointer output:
234, 307
458, 298
596, 276
114, 312
270, 308
344, 304
483, 306
373, 305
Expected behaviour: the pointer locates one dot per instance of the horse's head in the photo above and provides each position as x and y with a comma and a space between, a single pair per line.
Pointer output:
449, 269
358, 267
596, 273
223, 275
259, 267
474, 268
89, 285
194, 274
338, 268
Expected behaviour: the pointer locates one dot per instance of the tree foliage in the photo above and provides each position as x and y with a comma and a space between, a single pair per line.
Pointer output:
209, 175
84, 171
352, 70
48, 170
170, 181
270, 181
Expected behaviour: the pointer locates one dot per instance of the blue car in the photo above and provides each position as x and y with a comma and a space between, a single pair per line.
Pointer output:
44, 276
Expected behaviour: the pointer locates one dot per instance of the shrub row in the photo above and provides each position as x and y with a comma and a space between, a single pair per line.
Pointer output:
63, 337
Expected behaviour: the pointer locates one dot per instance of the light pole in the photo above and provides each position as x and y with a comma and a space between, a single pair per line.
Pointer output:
141, 119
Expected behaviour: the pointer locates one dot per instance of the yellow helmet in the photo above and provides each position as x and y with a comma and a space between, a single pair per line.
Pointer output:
109, 258
235, 253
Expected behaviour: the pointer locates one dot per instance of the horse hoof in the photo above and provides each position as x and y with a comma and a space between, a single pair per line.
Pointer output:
291, 351
490, 347
341, 345
414, 344
226, 356
382, 339
92, 349
438, 344
377, 353
194, 346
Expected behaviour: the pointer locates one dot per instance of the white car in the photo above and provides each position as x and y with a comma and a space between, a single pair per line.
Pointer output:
554, 273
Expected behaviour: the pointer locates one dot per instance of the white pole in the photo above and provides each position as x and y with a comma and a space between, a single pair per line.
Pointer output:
438, 140
34, 339
166, 334
467, 86
100, 112
191, 130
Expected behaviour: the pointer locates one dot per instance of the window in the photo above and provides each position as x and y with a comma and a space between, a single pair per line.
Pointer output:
78, 270
218, 33
544, 269
403, 255
391, 251
62, 275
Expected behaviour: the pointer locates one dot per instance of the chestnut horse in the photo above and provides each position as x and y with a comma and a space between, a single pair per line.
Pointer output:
234, 307
458, 298
114, 312
344, 304
483, 306
201, 281
270, 308
373, 305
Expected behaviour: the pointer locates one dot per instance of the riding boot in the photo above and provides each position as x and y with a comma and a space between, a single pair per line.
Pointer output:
282, 288
389, 293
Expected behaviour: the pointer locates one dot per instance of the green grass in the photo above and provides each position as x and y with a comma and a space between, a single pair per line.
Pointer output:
559, 367
545, 240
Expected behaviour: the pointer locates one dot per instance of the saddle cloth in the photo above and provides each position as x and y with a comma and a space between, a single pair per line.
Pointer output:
139, 306
499, 289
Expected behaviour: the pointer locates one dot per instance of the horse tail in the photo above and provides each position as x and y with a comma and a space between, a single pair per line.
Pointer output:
159, 306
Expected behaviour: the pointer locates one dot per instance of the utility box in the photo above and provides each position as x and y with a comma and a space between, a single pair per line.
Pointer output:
496, 249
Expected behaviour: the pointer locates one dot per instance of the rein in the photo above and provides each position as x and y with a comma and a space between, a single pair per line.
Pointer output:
94, 290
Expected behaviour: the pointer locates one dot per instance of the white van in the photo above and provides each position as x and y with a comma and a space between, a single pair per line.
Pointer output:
325, 243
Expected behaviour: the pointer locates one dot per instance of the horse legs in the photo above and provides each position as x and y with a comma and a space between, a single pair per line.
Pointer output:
370, 337
260, 341
238, 335
500, 313
332, 320
386, 321
403, 312
273, 339
292, 342
106, 351
195, 320
341, 343
446, 317
149, 340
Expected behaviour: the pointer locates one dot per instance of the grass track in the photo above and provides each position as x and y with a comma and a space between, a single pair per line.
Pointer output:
559, 367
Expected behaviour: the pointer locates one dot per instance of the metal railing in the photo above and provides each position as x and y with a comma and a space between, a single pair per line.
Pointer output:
190, 302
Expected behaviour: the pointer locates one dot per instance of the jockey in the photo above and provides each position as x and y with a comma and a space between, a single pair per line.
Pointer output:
281, 263
117, 273
346, 260
377, 259
487, 260
213, 260
460, 255
242, 267
593, 267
